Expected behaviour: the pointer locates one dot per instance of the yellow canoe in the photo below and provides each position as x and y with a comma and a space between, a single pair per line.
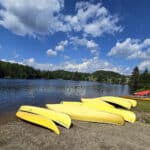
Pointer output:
133, 102
39, 120
70, 102
125, 104
127, 115
59, 118
98, 105
87, 114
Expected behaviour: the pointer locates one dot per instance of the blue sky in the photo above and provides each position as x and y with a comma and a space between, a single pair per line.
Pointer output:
76, 35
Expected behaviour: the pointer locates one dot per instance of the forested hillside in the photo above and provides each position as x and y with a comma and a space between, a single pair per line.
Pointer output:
12, 70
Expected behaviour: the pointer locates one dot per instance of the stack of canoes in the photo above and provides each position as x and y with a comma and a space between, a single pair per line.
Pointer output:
101, 109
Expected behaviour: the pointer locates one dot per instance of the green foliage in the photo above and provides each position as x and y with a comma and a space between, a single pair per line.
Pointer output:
9, 70
109, 77
139, 81
142, 106
134, 79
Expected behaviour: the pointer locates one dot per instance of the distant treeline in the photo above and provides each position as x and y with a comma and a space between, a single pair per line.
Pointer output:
139, 81
17, 71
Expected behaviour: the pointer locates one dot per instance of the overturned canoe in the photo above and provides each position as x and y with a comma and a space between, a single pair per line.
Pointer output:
71, 102
58, 117
87, 114
127, 115
39, 120
133, 102
98, 105
125, 104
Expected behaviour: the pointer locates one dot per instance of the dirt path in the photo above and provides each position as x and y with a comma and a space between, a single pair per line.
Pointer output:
20, 135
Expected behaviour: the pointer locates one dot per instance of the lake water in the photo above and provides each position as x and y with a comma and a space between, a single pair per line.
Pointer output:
14, 93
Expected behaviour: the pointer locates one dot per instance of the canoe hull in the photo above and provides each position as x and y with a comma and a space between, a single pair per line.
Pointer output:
98, 105
127, 115
87, 114
133, 102
59, 118
38, 120
121, 103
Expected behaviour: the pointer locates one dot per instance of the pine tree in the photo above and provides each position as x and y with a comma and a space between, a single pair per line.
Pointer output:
144, 78
134, 79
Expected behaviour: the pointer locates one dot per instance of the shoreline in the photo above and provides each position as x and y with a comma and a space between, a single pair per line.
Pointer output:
17, 134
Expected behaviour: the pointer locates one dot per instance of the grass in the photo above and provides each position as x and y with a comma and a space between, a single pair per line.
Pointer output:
142, 106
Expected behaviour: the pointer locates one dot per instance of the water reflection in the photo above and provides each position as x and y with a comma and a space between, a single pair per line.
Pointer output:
14, 93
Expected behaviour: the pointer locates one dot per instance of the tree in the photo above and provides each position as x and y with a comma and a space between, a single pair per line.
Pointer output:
144, 79
123, 80
134, 79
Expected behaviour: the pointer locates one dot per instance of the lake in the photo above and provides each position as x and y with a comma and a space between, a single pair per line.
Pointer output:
15, 92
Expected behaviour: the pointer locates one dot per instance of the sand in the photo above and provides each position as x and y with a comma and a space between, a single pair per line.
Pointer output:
19, 135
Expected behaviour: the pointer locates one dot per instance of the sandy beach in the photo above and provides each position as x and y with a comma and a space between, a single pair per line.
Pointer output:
20, 135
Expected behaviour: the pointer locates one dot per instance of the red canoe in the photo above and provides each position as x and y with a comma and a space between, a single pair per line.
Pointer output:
142, 93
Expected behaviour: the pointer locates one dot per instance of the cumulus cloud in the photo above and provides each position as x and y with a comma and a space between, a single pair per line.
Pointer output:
66, 57
12, 61
75, 41
29, 62
86, 65
144, 64
132, 49
32, 17
15, 54
93, 19
51, 52
61, 45
26, 17
90, 65
58, 48
89, 44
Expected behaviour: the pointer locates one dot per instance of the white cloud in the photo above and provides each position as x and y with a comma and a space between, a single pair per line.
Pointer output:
26, 17
11, 61
89, 44
90, 65
144, 64
61, 45
146, 42
66, 57
15, 54
93, 19
87, 65
59, 48
132, 49
29, 62
64, 43
51, 52
76, 41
